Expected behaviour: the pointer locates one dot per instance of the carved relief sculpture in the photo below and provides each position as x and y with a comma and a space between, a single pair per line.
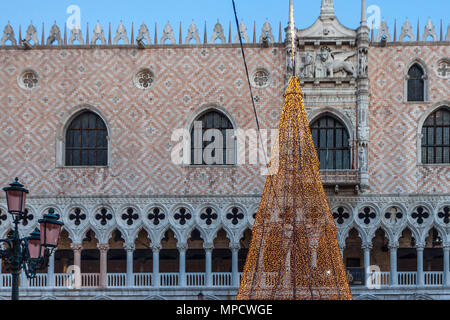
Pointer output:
335, 61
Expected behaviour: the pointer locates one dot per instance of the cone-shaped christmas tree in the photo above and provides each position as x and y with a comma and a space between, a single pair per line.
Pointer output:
294, 254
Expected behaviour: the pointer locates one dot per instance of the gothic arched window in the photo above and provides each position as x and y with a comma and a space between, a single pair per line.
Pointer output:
416, 83
436, 137
331, 139
86, 141
212, 141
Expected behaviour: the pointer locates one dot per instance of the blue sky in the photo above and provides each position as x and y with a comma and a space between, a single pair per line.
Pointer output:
201, 11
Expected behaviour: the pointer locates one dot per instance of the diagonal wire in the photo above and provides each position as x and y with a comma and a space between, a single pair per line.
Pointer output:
250, 86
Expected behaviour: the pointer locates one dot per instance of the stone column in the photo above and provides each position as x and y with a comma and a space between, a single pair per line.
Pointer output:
208, 263
235, 263
77, 248
156, 280
367, 249
182, 248
420, 275
129, 248
393, 261
51, 271
103, 247
446, 266
342, 252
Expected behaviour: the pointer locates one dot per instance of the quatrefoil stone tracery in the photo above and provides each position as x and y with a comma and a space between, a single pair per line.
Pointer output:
340, 215
29, 80
156, 216
182, 216
235, 215
144, 79
77, 216
367, 214
208, 215
444, 214
130, 216
420, 215
26, 217
103, 216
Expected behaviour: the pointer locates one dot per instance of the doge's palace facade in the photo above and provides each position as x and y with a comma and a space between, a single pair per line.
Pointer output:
139, 226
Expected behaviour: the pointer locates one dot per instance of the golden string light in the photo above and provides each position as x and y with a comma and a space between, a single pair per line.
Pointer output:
292, 26
294, 253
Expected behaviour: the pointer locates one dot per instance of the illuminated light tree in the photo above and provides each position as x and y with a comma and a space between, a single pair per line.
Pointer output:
294, 254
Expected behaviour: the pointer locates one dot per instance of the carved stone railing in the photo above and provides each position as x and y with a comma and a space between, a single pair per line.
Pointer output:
340, 177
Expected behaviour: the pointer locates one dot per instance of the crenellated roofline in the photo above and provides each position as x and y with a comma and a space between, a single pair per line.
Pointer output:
145, 37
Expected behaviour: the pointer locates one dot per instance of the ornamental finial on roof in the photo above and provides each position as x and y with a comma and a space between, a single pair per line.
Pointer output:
327, 8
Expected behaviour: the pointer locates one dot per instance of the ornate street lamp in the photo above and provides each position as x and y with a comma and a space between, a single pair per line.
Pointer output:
30, 253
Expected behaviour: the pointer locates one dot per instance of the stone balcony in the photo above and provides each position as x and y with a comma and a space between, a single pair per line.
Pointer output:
171, 286
340, 177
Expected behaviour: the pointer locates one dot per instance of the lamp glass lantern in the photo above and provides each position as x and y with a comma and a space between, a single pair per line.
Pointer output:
50, 229
15, 197
35, 249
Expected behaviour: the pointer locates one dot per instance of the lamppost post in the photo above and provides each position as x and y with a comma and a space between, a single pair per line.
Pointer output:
30, 253
15, 261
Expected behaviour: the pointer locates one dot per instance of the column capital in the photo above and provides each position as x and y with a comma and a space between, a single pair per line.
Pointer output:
367, 246
182, 246
393, 246
103, 246
129, 247
446, 247
208, 246
76, 246
420, 246
235, 246
155, 247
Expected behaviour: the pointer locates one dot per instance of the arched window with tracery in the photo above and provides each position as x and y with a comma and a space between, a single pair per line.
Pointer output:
416, 83
212, 141
436, 137
331, 139
86, 141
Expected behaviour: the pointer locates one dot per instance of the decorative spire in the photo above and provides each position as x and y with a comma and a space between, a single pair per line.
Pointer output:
395, 30
418, 30
229, 34
132, 33
65, 34
156, 33
280, 35
109, 36
181, 37
87, 34
363, 14
372, 33
254, 31
441, 33
20, 35
43, 35
327, 8
205, 40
